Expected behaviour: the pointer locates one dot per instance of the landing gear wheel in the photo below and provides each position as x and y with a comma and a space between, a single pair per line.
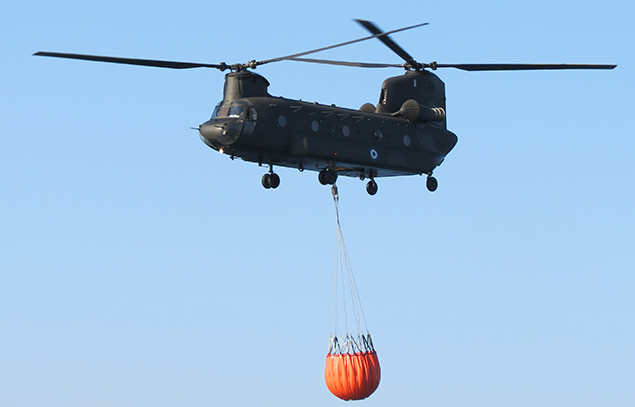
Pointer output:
322, 177
327, 177
266, 181
274, 180
432, 184
271, 180
371, 187
331, 177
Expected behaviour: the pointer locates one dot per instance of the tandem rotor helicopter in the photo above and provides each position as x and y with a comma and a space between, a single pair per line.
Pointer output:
405, 134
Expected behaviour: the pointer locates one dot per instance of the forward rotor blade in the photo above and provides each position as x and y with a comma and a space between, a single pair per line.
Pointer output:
300, 54
388, 41
347, 63
520, 67
132, 61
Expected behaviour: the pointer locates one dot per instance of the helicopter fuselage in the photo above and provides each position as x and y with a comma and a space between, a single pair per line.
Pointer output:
257, 127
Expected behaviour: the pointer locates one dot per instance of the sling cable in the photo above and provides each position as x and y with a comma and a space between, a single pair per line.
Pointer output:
352, 369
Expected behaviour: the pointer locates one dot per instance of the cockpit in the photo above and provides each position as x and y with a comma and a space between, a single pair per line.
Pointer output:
227, 123
234, 111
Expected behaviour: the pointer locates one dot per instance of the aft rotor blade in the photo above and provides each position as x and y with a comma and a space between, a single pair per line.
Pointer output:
347, 63
520, 67
388, 41
132, 61
300, 54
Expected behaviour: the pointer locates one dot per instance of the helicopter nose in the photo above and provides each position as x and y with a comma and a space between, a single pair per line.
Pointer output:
220, 133
209, 130
209, 133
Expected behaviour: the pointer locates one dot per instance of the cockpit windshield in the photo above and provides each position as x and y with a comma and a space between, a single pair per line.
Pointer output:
235, 111
216, 109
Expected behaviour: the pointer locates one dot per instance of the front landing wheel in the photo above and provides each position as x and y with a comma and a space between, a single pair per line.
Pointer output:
270, 180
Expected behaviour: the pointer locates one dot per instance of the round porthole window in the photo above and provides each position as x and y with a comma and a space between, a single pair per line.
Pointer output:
377, 135
282, 121
406, 140
315, 126
346, 131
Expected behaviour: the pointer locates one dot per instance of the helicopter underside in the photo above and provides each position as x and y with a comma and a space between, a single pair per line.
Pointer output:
314, 164
330, 170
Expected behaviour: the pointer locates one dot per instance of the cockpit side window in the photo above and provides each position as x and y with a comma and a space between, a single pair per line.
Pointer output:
236, 111
252, 114
216, 109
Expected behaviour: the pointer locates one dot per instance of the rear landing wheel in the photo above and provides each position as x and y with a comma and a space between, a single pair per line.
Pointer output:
371, 187
331, 177
432, 184
274, 180
265, 181
322, 177
327, 177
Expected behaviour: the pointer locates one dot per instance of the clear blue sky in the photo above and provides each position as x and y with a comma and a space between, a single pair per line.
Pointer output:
138, 267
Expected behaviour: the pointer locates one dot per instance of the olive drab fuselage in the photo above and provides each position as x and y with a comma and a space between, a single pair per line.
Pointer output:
405, 134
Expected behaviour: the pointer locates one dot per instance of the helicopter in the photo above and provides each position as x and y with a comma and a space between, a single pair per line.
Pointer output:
404, 134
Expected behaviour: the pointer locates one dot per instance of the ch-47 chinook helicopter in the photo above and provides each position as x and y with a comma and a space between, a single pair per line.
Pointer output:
405, 134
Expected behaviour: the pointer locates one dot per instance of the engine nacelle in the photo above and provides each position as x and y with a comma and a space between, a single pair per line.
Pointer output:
415, 112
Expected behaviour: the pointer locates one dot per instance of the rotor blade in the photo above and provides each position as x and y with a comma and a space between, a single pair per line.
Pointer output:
520, 67
378, 35
131, 61
388, 41
348, 63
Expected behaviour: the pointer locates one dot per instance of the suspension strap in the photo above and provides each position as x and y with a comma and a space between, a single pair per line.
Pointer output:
344, 283
336, 200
